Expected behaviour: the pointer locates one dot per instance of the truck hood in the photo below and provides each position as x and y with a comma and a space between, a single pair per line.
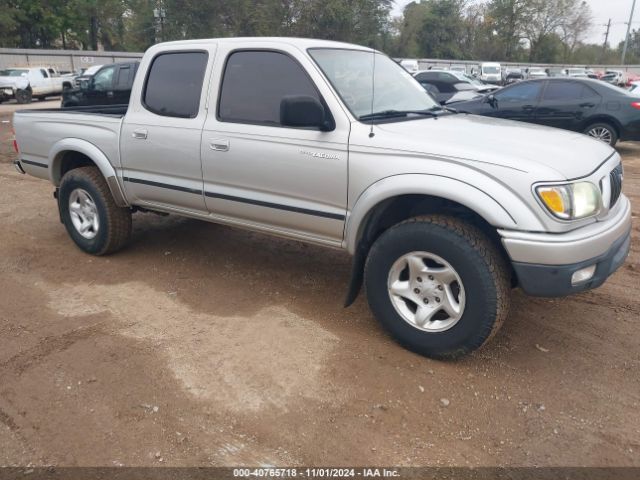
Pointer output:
507, 143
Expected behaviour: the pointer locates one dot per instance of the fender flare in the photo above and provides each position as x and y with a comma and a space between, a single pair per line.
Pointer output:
22, 84
490, 207
56, 154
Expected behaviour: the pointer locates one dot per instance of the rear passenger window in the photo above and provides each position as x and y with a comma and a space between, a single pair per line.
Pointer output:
174, 84
255, 83
566, 91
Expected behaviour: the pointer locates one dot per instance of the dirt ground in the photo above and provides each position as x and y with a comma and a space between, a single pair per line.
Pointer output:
206, 345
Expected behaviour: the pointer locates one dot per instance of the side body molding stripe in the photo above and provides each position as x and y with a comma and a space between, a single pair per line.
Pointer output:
35, 164
259, 203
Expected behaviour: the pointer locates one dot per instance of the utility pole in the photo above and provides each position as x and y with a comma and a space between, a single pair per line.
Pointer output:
626, 39
606, 39
606, 35
159, 15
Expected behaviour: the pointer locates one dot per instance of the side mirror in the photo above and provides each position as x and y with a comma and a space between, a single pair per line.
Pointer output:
303, 111
491, 100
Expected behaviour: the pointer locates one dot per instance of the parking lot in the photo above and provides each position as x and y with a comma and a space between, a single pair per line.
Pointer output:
206, 345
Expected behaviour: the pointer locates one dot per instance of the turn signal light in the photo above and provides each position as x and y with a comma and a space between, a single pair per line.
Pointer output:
553, 200
636, 105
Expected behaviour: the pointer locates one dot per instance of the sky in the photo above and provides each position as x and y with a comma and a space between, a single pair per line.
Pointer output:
602, 10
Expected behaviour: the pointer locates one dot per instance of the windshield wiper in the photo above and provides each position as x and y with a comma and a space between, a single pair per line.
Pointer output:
445, 109
396, 113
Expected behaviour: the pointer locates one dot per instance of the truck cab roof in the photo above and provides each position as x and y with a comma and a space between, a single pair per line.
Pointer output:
302, 43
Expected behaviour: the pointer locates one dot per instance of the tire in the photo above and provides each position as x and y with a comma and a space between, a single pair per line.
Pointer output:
109, 226
23, 96
481, 273
602, 131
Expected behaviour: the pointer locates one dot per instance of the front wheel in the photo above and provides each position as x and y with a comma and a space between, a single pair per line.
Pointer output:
438, 285
603, 132
23, 96
92, 219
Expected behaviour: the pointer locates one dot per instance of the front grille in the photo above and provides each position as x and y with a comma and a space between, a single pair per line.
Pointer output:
615, 177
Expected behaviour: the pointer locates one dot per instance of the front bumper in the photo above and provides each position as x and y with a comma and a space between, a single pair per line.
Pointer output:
555, 280
544, 263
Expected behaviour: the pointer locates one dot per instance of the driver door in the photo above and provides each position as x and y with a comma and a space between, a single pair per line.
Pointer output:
258, 172
517, 102
100, 90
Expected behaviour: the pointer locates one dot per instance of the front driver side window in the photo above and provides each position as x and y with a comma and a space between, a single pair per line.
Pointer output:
103, 79
523, 92
254, 84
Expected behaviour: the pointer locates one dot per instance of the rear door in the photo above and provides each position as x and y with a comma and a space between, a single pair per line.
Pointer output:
516, 102
566, 103
161, 134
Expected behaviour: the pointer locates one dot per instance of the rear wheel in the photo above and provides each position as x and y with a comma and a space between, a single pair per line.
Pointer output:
602, 131
92, 219
23, 96
438, 285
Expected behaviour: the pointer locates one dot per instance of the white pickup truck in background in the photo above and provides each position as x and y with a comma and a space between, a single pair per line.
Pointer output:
24, 84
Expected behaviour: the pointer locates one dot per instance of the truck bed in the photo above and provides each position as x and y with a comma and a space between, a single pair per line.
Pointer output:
41, 133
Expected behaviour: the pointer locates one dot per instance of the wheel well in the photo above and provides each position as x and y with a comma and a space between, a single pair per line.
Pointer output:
603, 119
395, 210
66, 161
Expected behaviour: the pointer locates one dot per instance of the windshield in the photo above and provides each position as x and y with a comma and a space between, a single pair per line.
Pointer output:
13, 72
350, 73
490, 70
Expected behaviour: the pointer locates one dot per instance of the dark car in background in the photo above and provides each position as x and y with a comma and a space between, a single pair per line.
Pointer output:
448, 87
110, 85
592, 107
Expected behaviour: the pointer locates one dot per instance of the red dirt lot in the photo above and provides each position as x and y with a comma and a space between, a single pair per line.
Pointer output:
212, 346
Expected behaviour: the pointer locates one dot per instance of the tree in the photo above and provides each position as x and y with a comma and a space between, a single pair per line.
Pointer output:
509, 18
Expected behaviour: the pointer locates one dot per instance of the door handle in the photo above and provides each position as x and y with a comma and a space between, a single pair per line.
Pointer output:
139, 134
587, 105
527, 108
109, 94
219, 145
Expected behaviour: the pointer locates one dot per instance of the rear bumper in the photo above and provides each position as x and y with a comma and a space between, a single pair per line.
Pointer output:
545, 263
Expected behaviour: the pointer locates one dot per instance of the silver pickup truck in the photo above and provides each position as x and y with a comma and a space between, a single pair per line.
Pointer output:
337, 145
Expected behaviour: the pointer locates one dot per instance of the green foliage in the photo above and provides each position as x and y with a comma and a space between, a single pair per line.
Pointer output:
505, 30
131, 25
545, 31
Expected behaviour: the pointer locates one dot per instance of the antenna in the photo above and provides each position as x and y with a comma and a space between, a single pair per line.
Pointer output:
373, 90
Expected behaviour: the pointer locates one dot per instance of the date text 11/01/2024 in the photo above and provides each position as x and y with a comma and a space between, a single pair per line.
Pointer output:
316, 472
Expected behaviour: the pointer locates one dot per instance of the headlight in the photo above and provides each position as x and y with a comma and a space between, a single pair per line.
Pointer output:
571, 201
